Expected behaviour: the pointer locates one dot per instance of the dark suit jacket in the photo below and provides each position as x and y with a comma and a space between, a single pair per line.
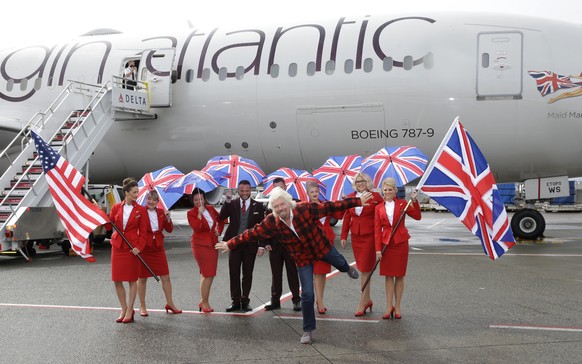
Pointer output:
231, 210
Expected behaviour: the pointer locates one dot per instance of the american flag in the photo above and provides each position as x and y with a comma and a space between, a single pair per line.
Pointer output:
237, 167
459, 178
549, 82
295, 181
337, 173
78, 215
404, 164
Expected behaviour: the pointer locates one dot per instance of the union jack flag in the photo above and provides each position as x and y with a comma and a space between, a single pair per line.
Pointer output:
404, 164
549, 82
79, 216
337, 173
459, 178
159, 180
295, 181
238, 168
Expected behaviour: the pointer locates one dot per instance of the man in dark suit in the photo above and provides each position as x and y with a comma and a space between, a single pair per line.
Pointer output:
278, 257
243, 213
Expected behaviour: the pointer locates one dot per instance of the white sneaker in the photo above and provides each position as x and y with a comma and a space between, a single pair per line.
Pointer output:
353, 273
306, 338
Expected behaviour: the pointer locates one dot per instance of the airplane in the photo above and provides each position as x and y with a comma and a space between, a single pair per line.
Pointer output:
294, 94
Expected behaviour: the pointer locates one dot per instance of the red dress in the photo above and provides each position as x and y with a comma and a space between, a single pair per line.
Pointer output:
321, 267
124, 264
362, 231
395, 258
203, 240
154, 253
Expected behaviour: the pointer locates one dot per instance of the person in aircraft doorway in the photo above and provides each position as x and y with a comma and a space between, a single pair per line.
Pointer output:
130, 76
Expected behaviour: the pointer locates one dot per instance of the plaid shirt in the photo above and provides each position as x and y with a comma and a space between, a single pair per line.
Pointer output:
310, 243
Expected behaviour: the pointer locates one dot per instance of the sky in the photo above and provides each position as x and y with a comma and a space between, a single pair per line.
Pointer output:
48, 22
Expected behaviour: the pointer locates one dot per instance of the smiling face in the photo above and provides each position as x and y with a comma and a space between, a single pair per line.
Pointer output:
389, 192
313, 194
152, 201
361, 184
281, 208
198, 200
244, 191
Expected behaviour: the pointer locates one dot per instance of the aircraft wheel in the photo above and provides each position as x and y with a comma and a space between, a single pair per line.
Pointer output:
66, 245
528, 224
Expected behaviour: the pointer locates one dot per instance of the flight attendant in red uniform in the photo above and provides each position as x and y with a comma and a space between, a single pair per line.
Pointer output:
395, 260
207, 226
360, 222
131, 219
321, 268
154, 253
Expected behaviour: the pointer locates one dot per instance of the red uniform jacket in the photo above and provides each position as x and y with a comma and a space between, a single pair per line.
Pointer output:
383, 228
326, 226
135, 230
155, 241
203, 234
364, 224
310, 243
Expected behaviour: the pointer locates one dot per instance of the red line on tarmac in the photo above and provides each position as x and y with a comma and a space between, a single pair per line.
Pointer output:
536, 327
508, 254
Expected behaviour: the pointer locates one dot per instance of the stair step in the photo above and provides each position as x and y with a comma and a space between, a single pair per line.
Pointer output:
34, 162
33, 169
5, 209
4, 216
22, 184
79, 113
11, 200
16, 192
32, 176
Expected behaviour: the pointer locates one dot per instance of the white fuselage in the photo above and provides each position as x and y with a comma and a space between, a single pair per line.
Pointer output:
392, 80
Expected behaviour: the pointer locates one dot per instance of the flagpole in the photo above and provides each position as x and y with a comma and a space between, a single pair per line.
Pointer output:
386, 245
439, 150
124, 238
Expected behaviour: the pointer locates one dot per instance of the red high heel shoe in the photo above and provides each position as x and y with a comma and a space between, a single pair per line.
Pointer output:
397, 316
389, 315
368, 305
120, 318
174, 311
129, 320
143, 313
322, 311
205, 310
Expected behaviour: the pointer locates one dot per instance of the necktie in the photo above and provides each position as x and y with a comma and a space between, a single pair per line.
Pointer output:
244, 207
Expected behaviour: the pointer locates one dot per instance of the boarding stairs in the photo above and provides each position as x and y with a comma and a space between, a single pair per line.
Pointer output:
73, 125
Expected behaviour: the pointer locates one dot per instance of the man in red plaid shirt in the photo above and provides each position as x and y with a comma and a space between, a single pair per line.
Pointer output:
294, 225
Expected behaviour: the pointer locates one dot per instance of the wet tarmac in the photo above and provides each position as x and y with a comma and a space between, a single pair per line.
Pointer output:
459, 307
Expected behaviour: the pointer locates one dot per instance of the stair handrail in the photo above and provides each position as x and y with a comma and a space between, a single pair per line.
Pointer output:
96, 99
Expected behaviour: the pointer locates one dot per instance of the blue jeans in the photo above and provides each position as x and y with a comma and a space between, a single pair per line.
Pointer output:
334, 258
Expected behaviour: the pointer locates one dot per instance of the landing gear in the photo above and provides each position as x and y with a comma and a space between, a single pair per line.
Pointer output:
65, 245
528, 224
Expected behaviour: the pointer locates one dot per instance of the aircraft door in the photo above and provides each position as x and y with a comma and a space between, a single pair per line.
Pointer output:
499, 65
155, 68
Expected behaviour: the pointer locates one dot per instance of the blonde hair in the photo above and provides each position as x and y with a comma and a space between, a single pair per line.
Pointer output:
390, 181
153, 194
311, 184
278, 193
369, 182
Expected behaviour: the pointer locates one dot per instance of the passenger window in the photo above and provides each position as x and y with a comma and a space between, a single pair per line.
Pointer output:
329, 67
293, 69
368, 65
37, 83
23, 84
275, 71
222, 73
206, 74
408, 63
387, 64
189, 75
349, 66
10, 85
240, 72
311, 68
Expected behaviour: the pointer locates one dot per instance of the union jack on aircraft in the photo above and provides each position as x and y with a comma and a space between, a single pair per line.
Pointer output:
548, 82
